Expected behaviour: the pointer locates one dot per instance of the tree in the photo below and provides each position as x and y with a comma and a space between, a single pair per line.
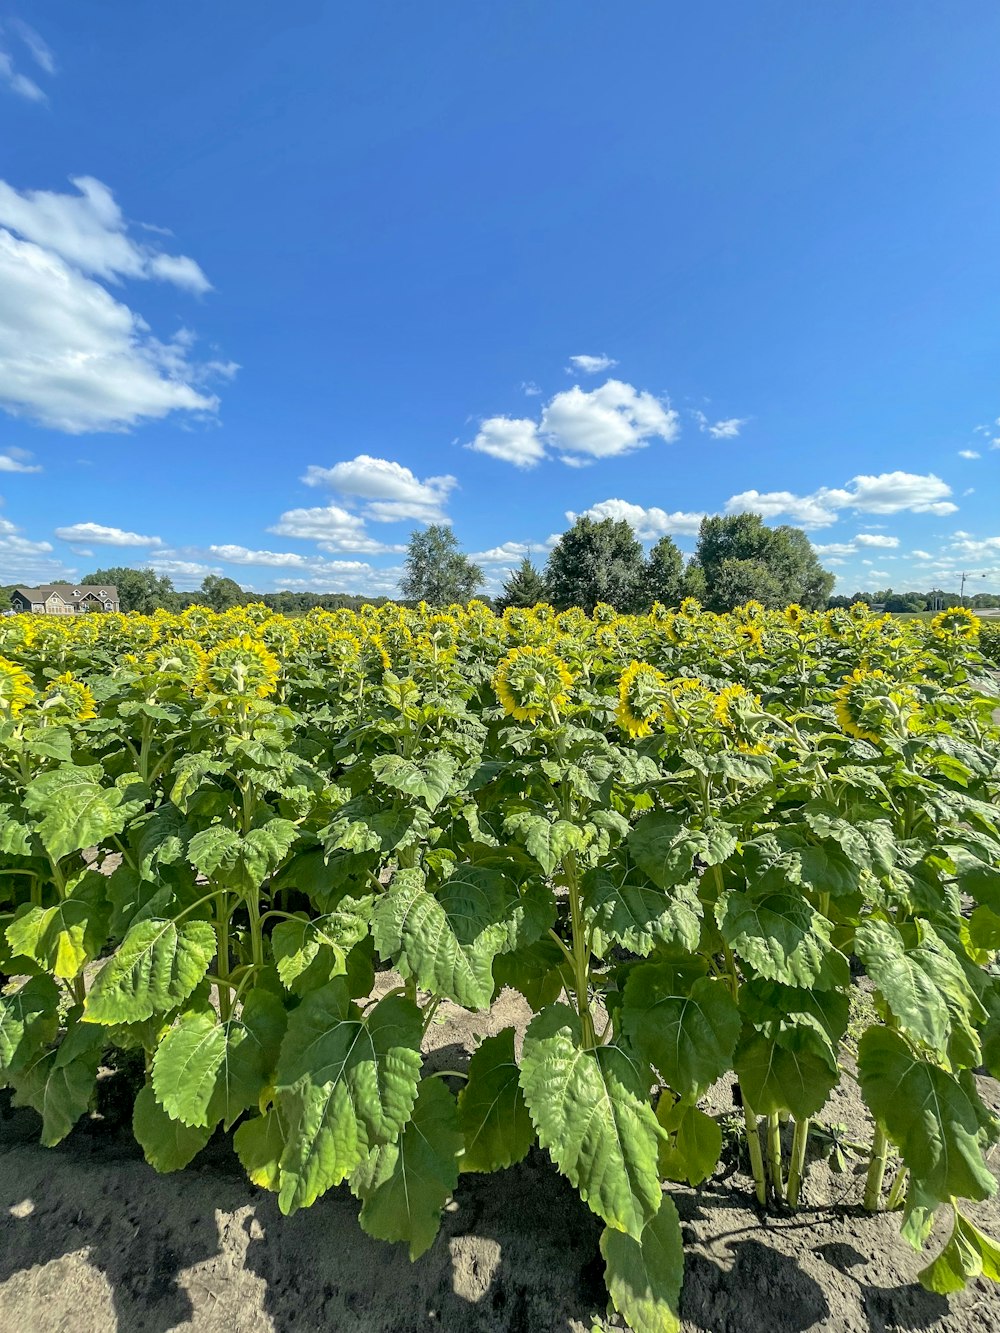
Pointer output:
664, 574
785, 567
221, 593
437, 571
141, 590
524, 587
596, 562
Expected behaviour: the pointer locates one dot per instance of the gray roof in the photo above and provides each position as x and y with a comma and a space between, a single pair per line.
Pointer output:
69, 592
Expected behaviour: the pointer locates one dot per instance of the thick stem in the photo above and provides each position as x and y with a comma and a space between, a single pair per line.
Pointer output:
795, 1171
222, 935
756, 1156
256, 936
876, 1170
774, 1155
581, 951
897, 1190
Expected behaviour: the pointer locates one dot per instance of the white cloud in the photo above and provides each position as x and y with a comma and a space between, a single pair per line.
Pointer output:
720, 430
24, 561
17, 460
512, 439
590, 365
530, 389
75, 359
880, 573
581, 426
648, 524
392, 491
10, 76
40, 51
335, 528
186, 574
922, 555
887, 493
874, 539
835, 548
100, 535
508, 553
969, 453
89, 231
242, 555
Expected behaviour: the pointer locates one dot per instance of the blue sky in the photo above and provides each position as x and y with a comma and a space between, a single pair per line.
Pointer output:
280, 283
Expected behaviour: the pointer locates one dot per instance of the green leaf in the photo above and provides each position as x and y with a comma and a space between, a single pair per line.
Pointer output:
627, 909
60, 1083
665, 846
407, 1183
783, 939
311, 951
492, 1114
206, 1070
29, 1020
532, 970
167, 1144
968, 1254
590, 1110
935, 1118
63, 938
259, 1144
73, 810
431, 780
226, 857
787, 1067
346, 1084
696, 1141
548, 840
156, 967
446, 941
644, 1275
687, 1033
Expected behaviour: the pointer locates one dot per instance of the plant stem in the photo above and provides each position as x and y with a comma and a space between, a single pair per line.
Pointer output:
799, 1143
222, 935
774, 1155
897, 1190
756, 1156
876, 1170
581, 953
256, 937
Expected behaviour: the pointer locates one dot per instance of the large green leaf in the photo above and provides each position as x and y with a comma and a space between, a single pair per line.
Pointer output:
787, 1067
29, 1020
665, 846
688, 1033
63, 938
548, 840
156, 967
782, 938
624, 907
407, 1183
431, 780
345, 1083
935, 1119
60, 1083
310, 951
206, 1069
532, 970
644, 1274
259, 1143
590, 1110
494, 1119
242, 861
696, 1141
168, 1145
447, 940
73, 810
967, 1255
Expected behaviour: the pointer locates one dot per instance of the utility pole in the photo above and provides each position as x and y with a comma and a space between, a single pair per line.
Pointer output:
964, 577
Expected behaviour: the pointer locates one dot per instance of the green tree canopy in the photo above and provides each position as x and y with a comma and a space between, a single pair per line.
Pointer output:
596, 562
221, 593
524, 587
664, 574
437, 571
141, 590
742, 558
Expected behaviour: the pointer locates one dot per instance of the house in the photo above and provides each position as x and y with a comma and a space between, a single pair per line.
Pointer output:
62, 599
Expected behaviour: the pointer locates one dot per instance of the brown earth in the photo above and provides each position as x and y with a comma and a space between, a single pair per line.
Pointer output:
91, 1239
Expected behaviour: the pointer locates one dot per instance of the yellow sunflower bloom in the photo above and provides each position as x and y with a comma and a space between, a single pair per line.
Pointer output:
956, 625
641, 696
529, 681
15, 688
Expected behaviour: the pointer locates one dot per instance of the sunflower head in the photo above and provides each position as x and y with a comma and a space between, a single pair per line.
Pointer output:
243, 667
794, 616
737, 712
178, 659
751, 610
859, 611
956, 625
15, 689
869, 706
837, 622
68, 698
690, 607
642, 693
749, 636
687, 701
604, 614
529, 681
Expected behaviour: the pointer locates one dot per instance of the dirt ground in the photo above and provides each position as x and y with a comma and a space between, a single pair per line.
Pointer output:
91, 1239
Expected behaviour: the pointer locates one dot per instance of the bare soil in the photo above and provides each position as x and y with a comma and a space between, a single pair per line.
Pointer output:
91, 1240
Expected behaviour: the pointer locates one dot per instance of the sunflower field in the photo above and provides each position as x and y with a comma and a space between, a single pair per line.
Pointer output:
686, 839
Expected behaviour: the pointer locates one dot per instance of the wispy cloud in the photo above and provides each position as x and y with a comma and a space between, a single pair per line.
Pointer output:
728, 429
590, 365
20, 38
98, 534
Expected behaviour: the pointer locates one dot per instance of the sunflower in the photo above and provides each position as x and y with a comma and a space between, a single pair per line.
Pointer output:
682, 696
15, 688
837, 622
749, 636
751, 610
531, 680
68, 696
641, 696
956, 625
690, 607
869, 706
794, 615
181, 658
242, 666
732, 712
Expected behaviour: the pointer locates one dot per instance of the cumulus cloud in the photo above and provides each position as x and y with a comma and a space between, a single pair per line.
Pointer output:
99, 535
391, 491
835, 548
720, 430
876, 539
507, 553
969, 453
25, 561
333, 527
18, 460
590, 365
648, 524
581, 426
72, 356
887, 493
